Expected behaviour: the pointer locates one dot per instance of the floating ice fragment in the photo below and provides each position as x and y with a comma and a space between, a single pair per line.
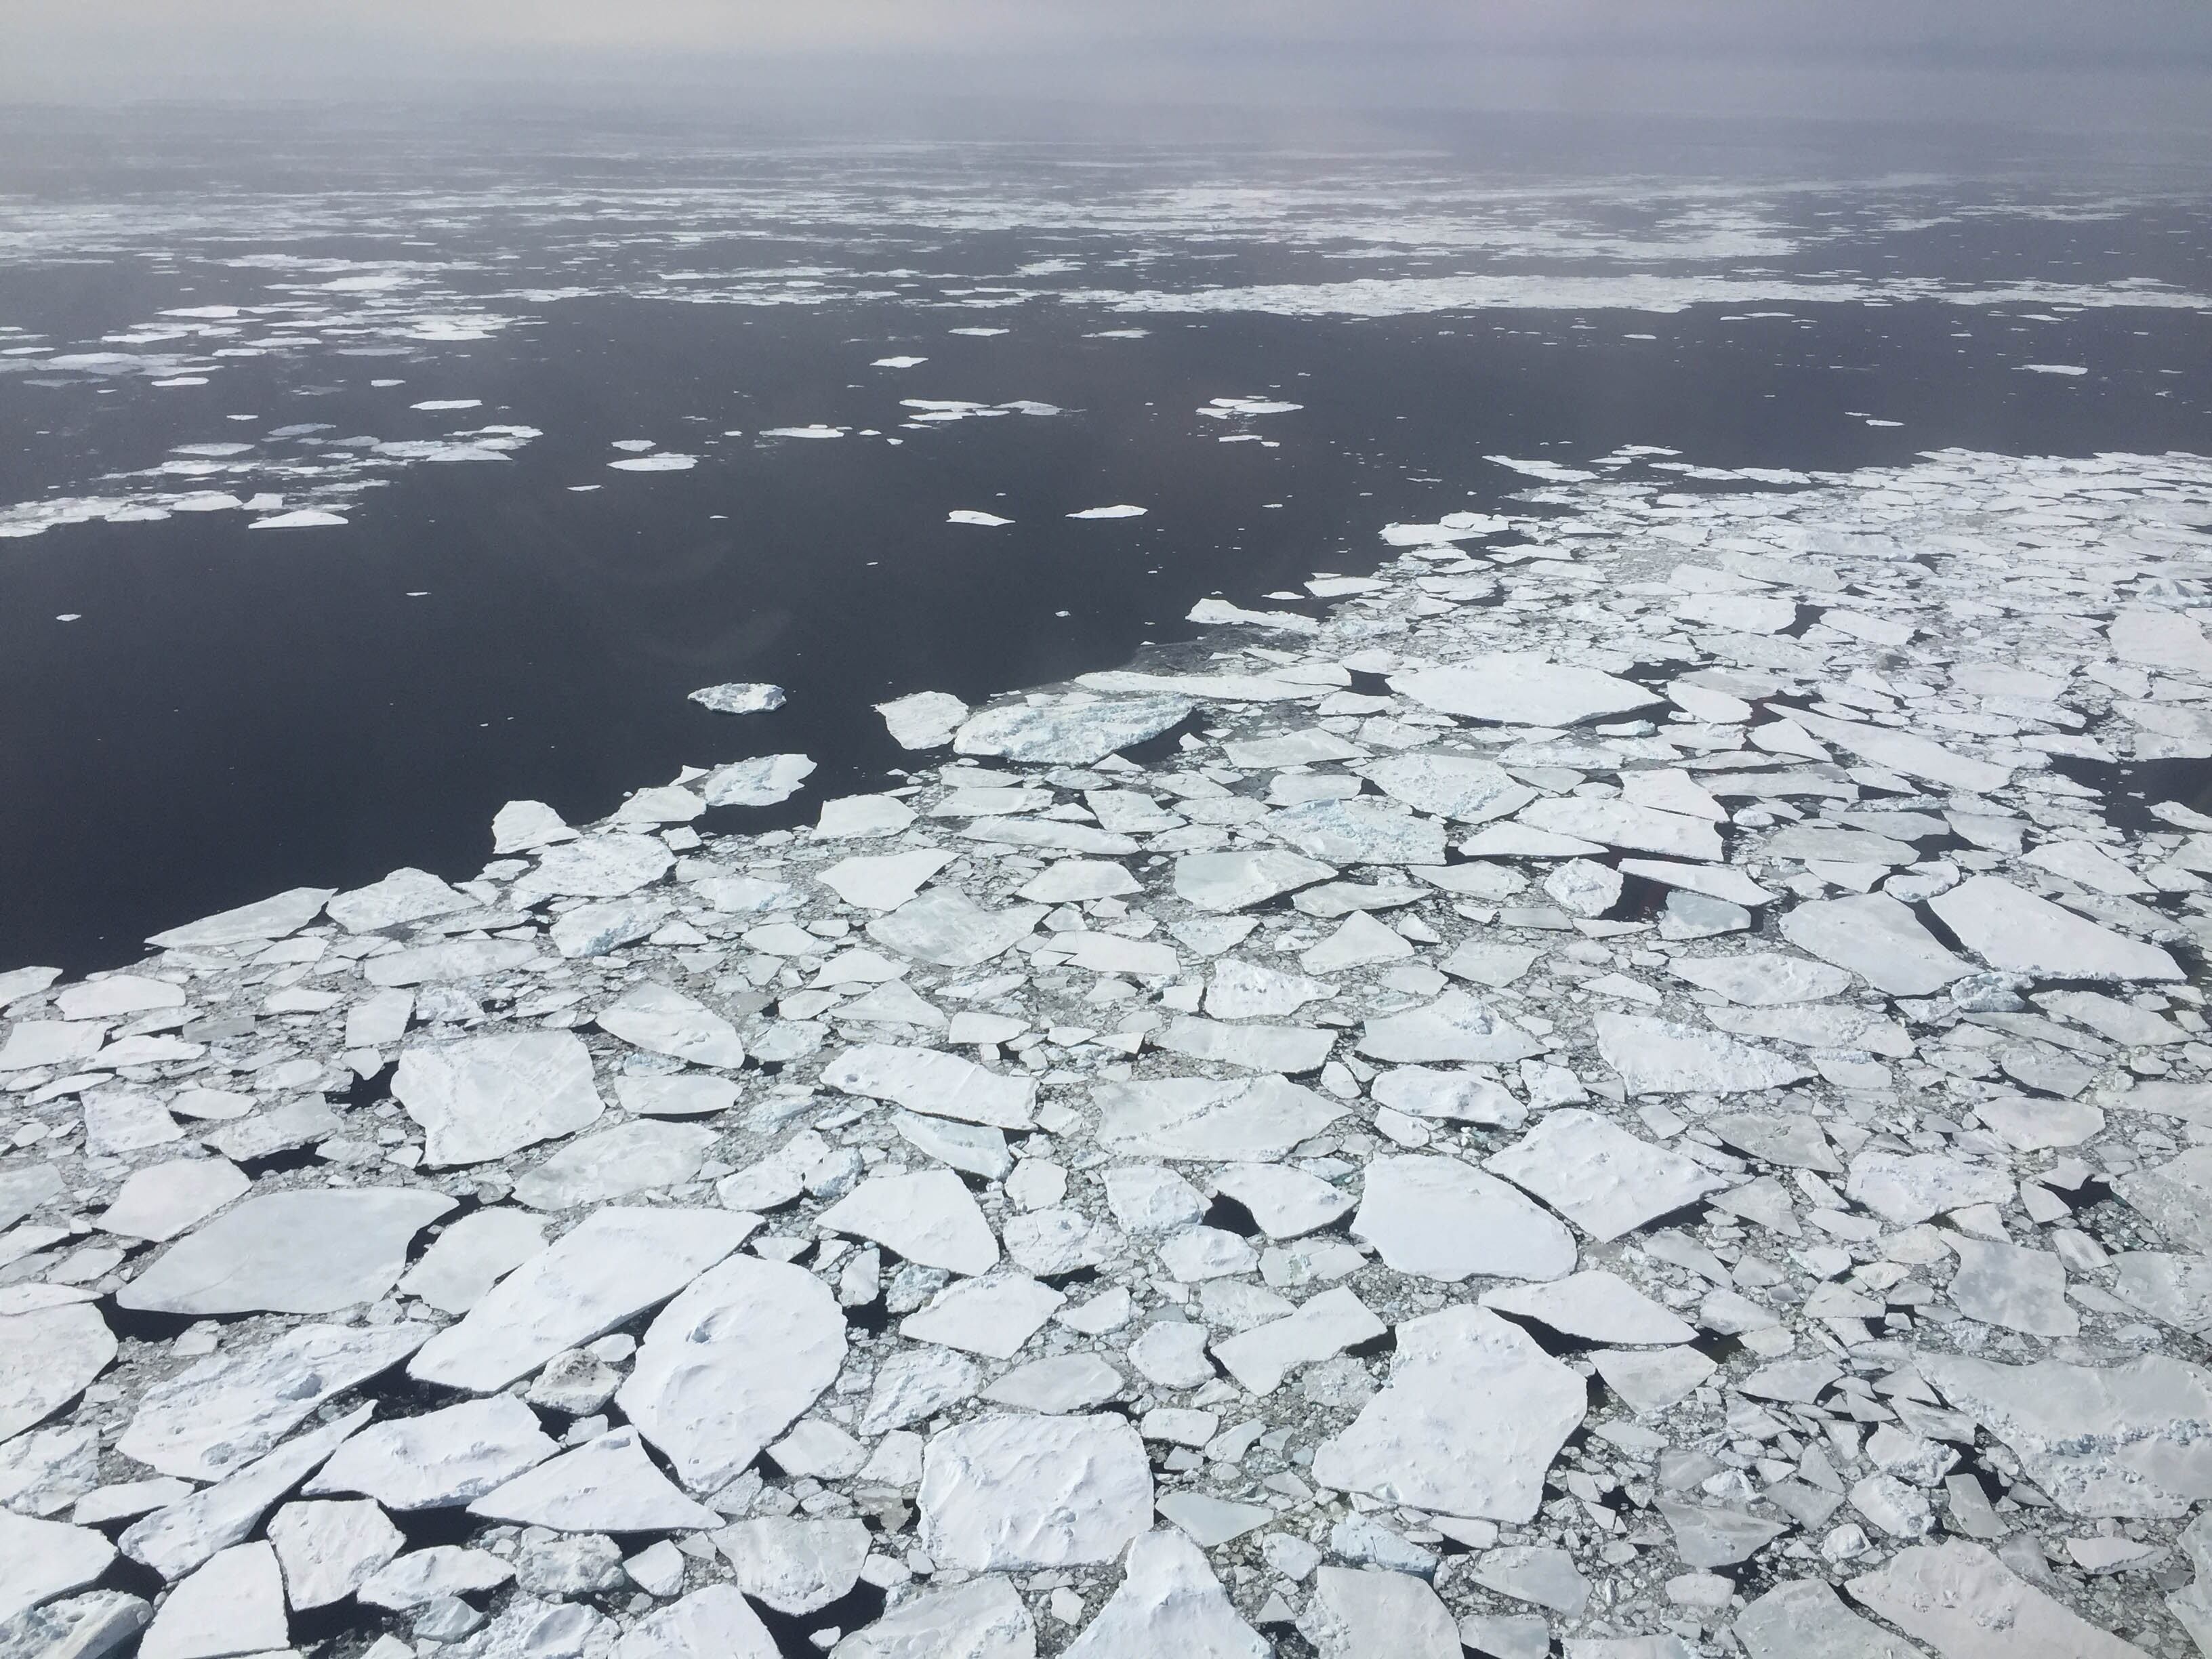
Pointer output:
1600, 1176
485, 1097
764, 780
1069, 731
1001, 1493
2014, 930
923, 719
613, 1265
1468, 1424
1522, 690
732, 1363
740, 697
1437, 1218
310, 1251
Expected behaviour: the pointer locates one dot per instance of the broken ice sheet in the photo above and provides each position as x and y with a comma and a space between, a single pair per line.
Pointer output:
929, 1081
47, 1356
1522, 690
1601, 1177
2121, 1440
662, 1020
482, 1098
227, 1409
314, 1251
1468, 1424
1199, 1118
1660, 1057
732, 1363
929, 1217
613, 1265
1019, 1492
1439, 1218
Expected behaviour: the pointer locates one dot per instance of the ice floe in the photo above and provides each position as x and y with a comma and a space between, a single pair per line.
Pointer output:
1654, 1132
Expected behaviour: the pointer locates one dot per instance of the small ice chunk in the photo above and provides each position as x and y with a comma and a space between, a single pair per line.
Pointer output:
740, 697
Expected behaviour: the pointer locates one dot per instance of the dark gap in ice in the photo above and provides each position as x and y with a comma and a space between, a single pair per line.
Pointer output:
1073, 1276
403, 1394
1807, 616
280, 1163
874, 1317
365, 1090
2127, 790
660, 1459
1290, 1643
2189, 956
1601, 1397
1653, 677
1641, 900
1553, 1342
1375, 1347
132, 1578
1168, 745
136, 1325
345, 1620
1753, 1578
1716, 1347
1230, 1216
1688, 1217
465, 1205
425, 1529
803, 808
1941, 929
1938, 846
861, 1605
1971, 1465
1364, 685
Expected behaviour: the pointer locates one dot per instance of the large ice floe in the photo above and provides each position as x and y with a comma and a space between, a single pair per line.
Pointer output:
1641, 1094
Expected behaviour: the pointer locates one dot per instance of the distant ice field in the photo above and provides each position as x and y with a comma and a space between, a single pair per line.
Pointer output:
331, 518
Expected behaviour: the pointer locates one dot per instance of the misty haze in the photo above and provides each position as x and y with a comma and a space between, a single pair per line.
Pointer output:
967, 831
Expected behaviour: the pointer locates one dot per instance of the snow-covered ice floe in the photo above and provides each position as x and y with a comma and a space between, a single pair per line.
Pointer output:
1704, 1156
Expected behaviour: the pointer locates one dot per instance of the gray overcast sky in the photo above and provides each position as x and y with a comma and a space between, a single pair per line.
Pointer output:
2095, 65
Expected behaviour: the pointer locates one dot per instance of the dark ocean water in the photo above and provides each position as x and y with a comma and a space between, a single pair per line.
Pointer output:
237, 711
